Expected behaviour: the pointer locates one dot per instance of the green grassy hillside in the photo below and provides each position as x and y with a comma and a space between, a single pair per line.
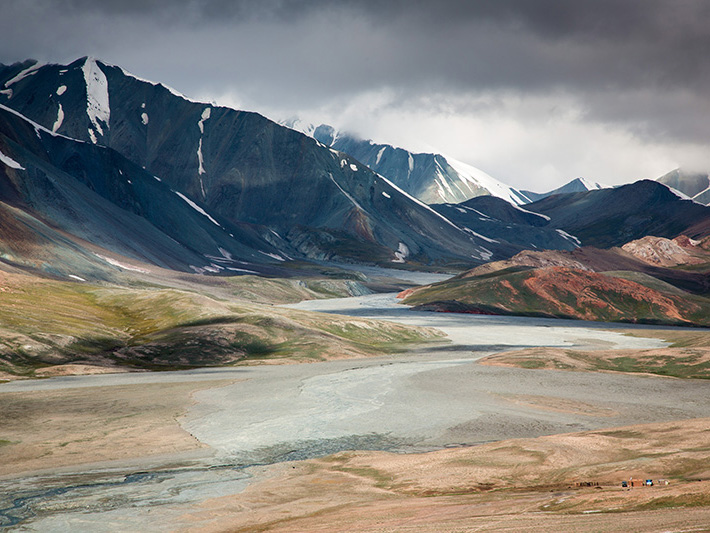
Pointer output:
45, 323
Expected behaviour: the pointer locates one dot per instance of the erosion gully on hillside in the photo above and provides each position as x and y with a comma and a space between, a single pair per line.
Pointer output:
240, 419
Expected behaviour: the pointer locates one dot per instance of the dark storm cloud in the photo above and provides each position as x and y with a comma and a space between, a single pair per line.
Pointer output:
530, 44
640, 65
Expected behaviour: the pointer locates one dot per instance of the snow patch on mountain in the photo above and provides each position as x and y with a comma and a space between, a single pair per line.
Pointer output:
483, 237
118, 264
479, 178
200, 161
61, 90
206, 113
29, 71
97, 104
10, 162
60, 119
418, 202
345, 193
569, 237
144, 118
545, 217
197, 208
682, 195
273, 256
299, 125
401, 254
39, 129
592, 185
701, 193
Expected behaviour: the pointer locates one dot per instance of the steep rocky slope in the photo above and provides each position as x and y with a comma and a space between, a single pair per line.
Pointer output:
94, 194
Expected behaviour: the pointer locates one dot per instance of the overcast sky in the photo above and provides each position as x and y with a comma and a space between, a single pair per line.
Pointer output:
534, 92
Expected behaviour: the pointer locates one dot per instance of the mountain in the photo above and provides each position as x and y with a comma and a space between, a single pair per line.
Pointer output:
695, 185
61, 194
576, 185
140, 170
242, 169
431, 178
612, 217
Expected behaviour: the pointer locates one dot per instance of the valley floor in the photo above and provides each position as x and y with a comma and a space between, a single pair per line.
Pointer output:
176, 450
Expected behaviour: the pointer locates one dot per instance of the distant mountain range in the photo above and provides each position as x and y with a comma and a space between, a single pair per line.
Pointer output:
576, 185
135, 167
95, 161
436, 179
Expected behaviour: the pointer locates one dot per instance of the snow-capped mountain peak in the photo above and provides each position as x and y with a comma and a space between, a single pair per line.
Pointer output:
431, 178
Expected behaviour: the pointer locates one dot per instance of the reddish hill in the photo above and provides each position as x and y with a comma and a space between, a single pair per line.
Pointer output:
652, 256
563, 292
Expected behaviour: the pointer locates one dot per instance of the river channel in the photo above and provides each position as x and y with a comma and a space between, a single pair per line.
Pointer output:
422, 400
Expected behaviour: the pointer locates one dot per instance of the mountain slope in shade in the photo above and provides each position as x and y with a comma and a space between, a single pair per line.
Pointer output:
239, 166
695, 185
95, 194
612, 217
576, 185
432, 178
507, 228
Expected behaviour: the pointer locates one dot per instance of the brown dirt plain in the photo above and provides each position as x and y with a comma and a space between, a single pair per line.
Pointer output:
47, 430
515, 485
